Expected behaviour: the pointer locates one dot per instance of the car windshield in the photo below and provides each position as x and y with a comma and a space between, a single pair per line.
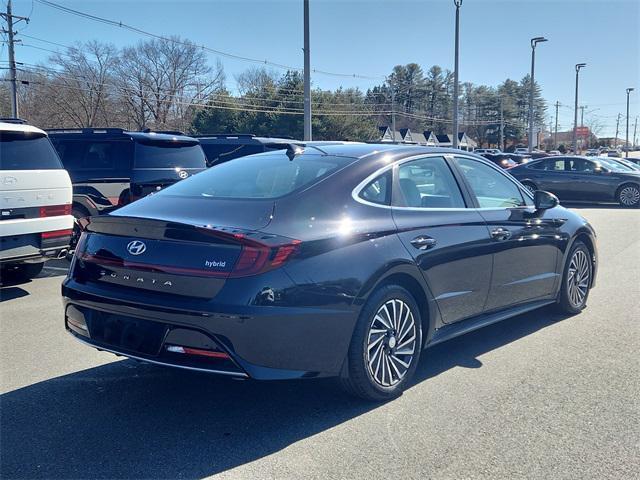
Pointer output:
169, 155
614, 166
27, 151
258, 176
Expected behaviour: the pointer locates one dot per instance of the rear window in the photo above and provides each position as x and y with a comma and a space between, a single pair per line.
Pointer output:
258, 176
27, 151
169, 155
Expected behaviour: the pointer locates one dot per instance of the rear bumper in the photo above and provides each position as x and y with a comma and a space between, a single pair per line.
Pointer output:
264, 343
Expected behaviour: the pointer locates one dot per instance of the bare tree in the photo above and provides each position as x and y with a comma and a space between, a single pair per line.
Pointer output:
162, 81
79, 83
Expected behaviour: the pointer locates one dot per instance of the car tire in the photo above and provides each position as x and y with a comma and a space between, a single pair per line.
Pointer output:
530, 186
628, 195
385, 346
27, 271
576, 280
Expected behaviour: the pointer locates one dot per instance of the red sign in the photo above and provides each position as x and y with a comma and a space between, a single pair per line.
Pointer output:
582, 131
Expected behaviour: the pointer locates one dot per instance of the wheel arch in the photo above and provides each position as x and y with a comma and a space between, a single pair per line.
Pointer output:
407, 277
586, 237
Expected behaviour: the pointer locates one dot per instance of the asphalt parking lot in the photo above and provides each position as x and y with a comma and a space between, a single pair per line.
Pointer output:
537, 396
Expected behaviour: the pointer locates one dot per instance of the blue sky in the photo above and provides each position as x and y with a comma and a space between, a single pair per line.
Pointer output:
370, 37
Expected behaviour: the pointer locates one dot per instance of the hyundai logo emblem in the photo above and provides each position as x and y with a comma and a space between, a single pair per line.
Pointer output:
136, 247
183, 174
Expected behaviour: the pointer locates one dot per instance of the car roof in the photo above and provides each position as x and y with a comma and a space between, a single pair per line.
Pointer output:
20, 127
361, 150
241, 138
117, 133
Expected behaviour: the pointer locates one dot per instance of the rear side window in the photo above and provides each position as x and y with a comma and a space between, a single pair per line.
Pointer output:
27, 151
106, 155
428, 183
378, 190
169, 155
258, 176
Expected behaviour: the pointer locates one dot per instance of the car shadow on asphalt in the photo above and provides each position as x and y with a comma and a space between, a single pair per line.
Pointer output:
132, 420
11, 292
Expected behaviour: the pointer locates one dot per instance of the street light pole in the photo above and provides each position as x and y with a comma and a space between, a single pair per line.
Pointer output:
307, 75
575, 111
534, 42
626, 141
454, 144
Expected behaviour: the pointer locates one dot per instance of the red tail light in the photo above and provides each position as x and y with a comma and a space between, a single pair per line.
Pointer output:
55, 210
57, 233
260, 253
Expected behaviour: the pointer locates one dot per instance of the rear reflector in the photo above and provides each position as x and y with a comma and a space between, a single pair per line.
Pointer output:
57, 234
195, 351
55, 210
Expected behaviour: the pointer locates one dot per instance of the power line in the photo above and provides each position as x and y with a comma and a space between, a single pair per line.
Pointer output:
203, 47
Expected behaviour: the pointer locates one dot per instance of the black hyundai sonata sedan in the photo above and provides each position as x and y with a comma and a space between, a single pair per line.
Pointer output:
340, 260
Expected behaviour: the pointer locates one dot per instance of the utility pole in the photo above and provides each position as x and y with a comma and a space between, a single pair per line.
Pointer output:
582, 115
393, 112
456, 93
615, 140
534, 42
9, 17
575, 110
555, 139
501, 126
307, 76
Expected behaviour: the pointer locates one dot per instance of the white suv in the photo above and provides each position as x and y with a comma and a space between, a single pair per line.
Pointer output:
35, 200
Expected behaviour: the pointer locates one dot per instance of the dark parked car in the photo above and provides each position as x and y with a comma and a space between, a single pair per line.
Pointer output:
222, 148
111, 167
340, 260
501, 159
582, 179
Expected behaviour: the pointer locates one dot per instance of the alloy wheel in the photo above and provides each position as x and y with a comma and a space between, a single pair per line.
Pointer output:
391, 343
629, 196
578, 279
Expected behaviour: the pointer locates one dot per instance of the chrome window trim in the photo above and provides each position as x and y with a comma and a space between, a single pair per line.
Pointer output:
355, 193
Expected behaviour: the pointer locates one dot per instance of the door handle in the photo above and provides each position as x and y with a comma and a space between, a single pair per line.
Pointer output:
500, 233
423, 242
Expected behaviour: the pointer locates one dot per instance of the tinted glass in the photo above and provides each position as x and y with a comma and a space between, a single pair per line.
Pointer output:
428, 183
492, 188
27, 151
258, 176
378, 191
580, 165
169, 155
106, 155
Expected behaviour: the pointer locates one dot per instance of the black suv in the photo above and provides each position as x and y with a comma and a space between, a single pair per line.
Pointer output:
111, 167
221, 148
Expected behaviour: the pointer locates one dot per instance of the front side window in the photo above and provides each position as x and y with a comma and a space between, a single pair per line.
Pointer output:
427, 183
491, 188
581, 165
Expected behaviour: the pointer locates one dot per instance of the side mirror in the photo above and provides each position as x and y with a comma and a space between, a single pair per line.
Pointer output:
545, 200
